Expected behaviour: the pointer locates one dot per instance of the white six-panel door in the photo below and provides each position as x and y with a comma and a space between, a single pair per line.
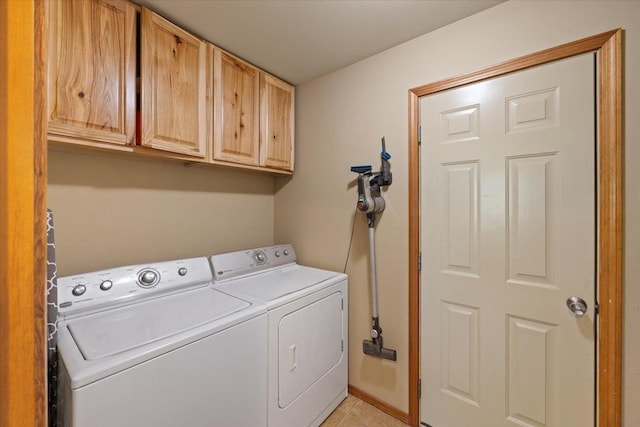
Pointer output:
508, 234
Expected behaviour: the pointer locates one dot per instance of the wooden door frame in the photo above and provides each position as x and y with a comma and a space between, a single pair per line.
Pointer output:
23, 181
609, 212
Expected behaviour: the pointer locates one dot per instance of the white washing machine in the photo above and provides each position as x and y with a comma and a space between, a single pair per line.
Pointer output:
307, 310
156, 346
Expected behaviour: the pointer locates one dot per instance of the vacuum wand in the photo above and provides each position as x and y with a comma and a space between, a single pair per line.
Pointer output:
372, 272
371, 203
374, 346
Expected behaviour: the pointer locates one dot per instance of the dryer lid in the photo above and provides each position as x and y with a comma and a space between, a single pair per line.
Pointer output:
278, 283
118, 330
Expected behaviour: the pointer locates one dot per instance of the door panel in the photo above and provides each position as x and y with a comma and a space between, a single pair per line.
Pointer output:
460, 356
533, 206
531, 377
460, 218
508, 234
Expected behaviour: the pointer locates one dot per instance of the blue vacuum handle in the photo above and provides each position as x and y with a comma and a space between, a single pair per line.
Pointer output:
361, 169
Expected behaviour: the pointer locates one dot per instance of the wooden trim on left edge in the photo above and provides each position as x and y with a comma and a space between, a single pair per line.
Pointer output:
610, 211
414, 250
22, 215
377, 403
40, 161
40, 212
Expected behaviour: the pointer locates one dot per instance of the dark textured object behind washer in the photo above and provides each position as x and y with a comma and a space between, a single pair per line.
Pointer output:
52, 323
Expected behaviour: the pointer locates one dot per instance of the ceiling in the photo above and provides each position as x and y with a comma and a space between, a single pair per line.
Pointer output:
299, 40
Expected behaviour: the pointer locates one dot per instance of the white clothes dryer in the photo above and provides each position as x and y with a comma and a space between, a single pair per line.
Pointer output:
308, 333
156, 346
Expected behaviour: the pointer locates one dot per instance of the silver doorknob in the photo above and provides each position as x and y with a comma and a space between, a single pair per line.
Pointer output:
577, 306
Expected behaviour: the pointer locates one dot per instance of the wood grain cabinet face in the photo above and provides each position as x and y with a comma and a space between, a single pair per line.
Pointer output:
173, 75
277, 123
91, 70
236, 109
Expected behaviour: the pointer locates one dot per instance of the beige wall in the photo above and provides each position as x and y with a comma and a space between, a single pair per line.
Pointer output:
340, 119
111, 211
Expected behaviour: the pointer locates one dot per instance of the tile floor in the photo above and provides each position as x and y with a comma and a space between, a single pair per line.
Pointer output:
353, 412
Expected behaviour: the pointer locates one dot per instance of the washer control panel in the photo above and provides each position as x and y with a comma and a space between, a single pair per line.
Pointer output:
241, 263
106, 287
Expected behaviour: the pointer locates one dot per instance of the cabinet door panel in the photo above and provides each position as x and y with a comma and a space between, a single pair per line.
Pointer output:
277, 123
173, 75
237, 110
91, 71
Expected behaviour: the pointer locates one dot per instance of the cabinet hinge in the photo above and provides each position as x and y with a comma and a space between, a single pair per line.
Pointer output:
419, 134
419, 261
342, 346
342, 304
597, 308
419, 389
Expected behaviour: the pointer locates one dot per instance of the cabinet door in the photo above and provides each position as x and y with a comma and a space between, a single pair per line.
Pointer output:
236, 110
173, 76
276, 123
91, 70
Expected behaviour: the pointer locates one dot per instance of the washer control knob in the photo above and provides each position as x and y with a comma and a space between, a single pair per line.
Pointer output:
79, 290
286, 252
277, 254
182, 271
148, 278
106, 285
260, 257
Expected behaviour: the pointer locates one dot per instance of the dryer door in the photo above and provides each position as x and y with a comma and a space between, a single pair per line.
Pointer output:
310, 344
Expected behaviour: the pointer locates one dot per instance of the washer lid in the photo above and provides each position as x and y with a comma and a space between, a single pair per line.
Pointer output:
277, 283
114, 331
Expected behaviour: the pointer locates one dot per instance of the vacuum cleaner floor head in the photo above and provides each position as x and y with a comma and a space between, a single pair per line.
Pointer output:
376, 350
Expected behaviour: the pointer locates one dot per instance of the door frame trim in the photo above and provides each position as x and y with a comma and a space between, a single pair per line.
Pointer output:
23, 189
609, 243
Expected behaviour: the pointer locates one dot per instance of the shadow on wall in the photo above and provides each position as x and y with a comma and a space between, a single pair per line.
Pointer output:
281, 182
113, 172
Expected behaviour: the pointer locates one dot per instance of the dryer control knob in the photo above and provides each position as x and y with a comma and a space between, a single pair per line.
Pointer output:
106, 285
286, 252
277, 254
148, 278
182, 271
260, 257
79, 290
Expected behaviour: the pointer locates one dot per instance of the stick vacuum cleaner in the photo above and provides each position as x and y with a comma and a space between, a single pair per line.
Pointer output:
370, 202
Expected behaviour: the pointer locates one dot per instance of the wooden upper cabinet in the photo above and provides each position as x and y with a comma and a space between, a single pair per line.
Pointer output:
173, 72
91, 70
276, 123
195, 99
236, 109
